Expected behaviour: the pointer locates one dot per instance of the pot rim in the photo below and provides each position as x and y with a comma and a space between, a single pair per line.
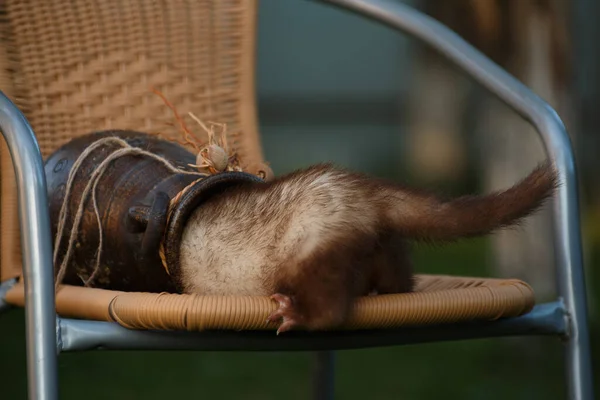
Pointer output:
190, 200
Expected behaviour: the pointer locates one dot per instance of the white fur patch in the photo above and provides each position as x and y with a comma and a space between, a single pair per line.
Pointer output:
240, 251
219, 261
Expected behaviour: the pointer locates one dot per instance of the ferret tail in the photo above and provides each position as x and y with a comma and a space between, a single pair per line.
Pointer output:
427, 218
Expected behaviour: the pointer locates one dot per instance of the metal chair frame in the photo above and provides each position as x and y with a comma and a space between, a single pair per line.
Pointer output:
566, 317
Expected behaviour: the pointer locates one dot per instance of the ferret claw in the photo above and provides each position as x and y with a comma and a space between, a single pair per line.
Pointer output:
286, 326
284, 313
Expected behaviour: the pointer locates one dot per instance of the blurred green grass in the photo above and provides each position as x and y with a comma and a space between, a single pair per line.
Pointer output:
508, 368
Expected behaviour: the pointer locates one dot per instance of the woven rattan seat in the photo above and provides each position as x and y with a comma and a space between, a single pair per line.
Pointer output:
93, 67
437, 300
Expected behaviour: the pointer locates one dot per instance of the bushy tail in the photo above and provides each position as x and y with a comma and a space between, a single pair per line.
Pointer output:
428, 218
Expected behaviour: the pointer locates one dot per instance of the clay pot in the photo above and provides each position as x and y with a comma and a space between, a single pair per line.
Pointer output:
133, 197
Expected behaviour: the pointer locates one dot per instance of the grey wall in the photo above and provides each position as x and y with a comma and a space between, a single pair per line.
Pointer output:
330, 86
307, 48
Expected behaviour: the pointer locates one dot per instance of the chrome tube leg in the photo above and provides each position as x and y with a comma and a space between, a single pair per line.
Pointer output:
324, 375
572, 289
4, 287
567, 240
36, 244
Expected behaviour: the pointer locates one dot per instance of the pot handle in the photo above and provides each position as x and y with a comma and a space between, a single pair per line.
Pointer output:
152, 221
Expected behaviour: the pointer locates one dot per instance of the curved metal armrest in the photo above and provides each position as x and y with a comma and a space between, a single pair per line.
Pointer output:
567, 239
36, 245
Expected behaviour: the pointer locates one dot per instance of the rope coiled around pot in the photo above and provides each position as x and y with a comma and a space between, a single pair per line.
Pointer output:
125, 150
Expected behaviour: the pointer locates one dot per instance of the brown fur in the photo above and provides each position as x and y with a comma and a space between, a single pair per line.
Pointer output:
319, 237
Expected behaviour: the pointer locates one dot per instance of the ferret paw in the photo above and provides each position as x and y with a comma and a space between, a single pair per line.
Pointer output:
285, 313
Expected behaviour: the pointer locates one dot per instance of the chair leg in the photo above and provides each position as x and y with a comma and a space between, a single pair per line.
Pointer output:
4, 306
4, 287
578, 359
579, 374
323, 375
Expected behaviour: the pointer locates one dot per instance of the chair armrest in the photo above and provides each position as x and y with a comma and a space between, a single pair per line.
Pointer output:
567, 236
36, 245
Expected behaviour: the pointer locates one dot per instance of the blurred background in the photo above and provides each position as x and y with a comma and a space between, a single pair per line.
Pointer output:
336, 87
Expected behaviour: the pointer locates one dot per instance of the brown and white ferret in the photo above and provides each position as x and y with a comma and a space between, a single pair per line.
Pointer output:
317, 238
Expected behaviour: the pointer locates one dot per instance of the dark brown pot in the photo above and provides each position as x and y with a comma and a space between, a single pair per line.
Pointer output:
133, 196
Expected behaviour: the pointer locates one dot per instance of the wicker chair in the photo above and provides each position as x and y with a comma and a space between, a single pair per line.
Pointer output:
91, 69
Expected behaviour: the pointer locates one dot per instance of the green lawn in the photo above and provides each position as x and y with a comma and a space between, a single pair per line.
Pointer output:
510, 368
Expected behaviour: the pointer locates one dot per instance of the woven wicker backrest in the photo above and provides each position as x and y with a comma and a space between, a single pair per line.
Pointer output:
78, 66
